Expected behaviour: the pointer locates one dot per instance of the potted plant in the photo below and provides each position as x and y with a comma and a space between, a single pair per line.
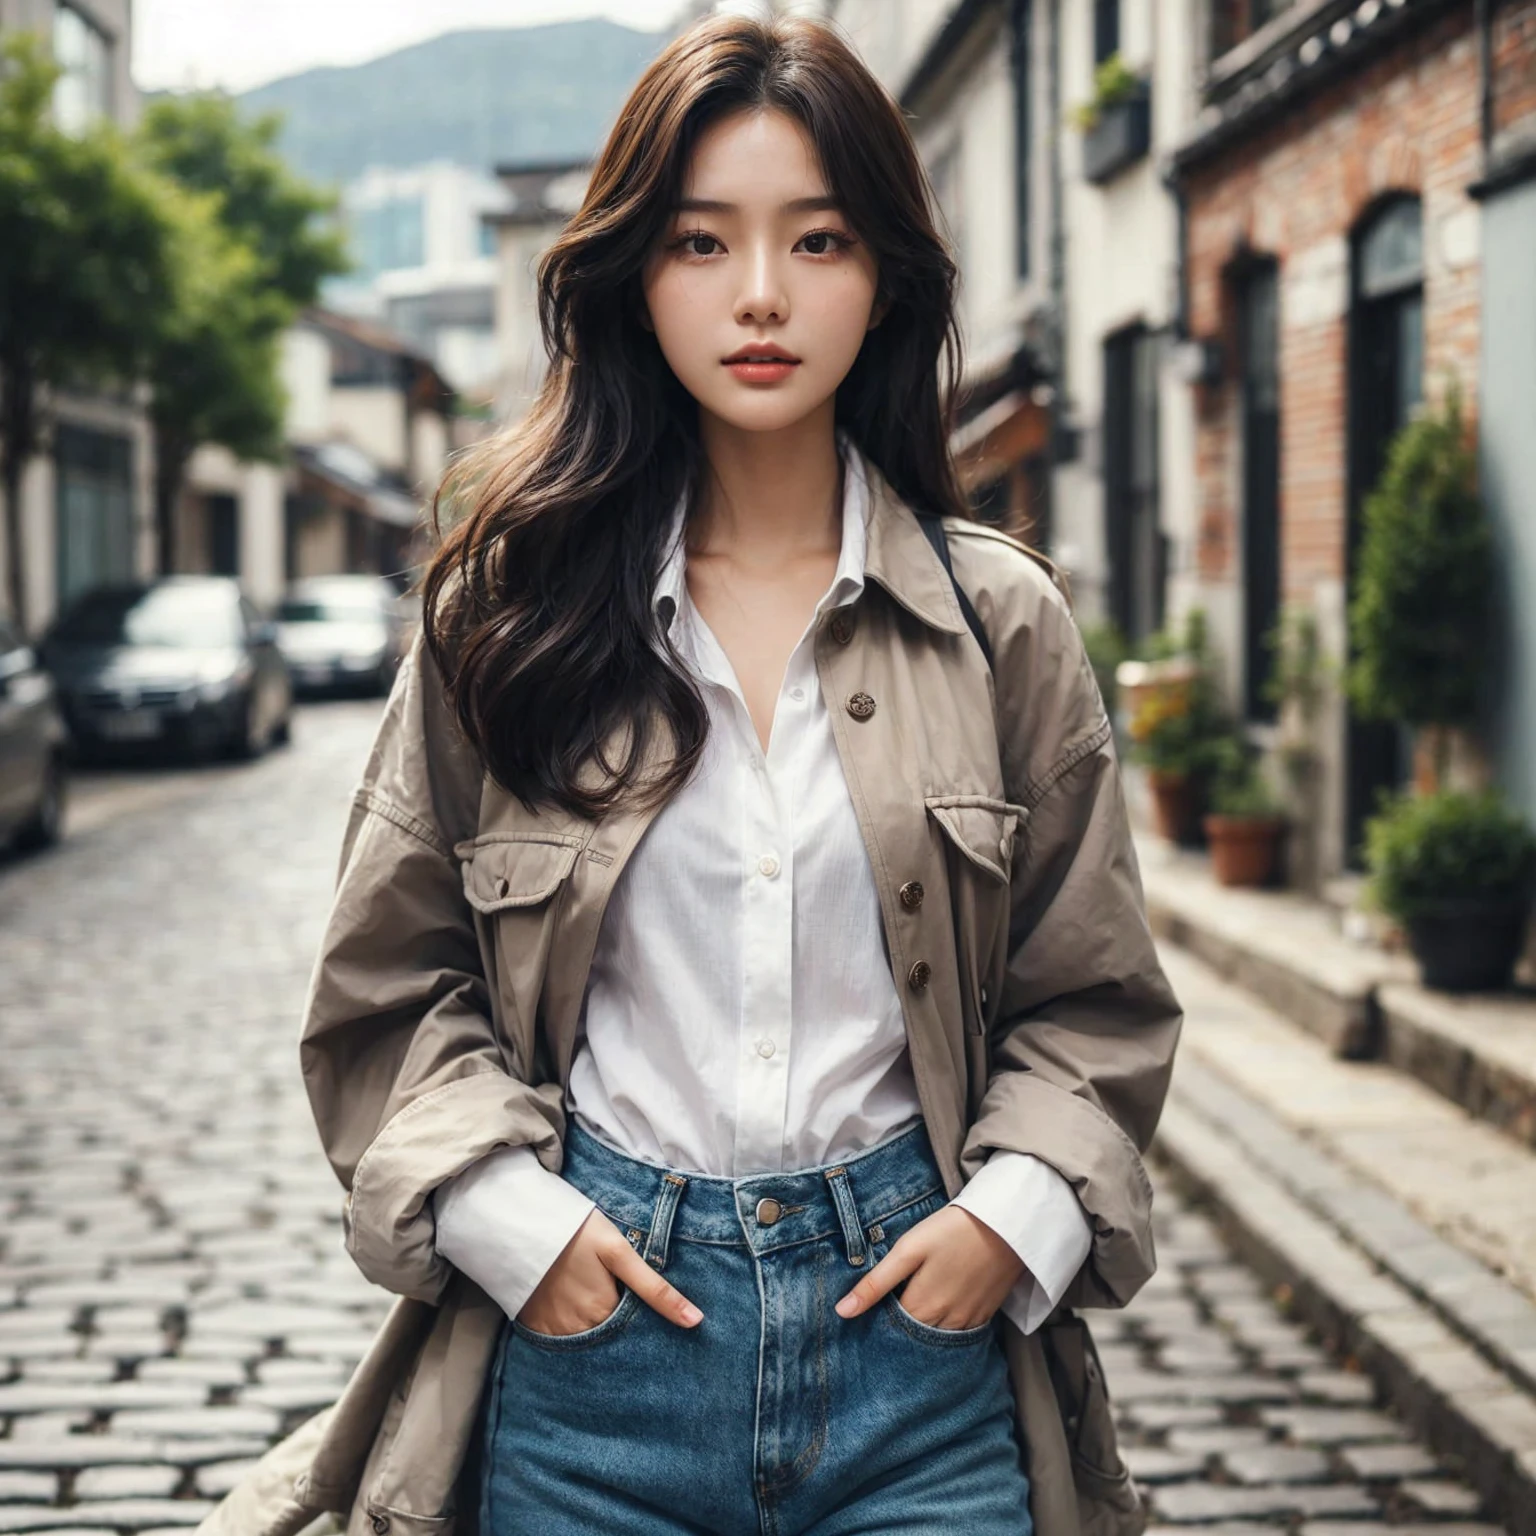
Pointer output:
1245, 824
1116, 121
1419, 618
1455, 869
1177, 726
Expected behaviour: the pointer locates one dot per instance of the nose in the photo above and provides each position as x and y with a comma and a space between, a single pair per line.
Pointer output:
763, 298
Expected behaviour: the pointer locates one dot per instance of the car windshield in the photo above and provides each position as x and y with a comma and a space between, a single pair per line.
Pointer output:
156, 616
332, 608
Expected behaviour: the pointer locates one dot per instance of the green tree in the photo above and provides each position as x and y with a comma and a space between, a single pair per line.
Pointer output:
85, 267
255, 244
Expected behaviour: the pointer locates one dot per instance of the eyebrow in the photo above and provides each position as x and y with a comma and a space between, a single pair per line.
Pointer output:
821, 204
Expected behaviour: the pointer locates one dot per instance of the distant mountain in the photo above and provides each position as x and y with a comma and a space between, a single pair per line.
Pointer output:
476, 98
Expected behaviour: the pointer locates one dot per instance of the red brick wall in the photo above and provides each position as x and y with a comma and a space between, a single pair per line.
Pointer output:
1407, 123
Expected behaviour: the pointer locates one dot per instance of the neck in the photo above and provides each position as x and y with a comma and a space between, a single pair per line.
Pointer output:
769, 494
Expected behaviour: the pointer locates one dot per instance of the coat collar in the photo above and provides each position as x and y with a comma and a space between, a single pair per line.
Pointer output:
902, 561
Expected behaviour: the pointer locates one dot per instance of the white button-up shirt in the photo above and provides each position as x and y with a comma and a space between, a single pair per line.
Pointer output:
741, 1016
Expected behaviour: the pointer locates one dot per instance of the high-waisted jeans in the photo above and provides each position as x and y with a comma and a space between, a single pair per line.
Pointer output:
774, 1415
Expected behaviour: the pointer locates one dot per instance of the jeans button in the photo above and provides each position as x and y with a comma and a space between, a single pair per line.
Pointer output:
768, 1211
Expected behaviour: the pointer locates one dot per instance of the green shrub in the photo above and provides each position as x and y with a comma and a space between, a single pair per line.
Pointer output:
1426, 849
1240, 787
1114, 81
1419, 617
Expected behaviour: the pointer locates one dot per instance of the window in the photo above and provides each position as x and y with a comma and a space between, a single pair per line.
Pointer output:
94, 490
389, 236
83, 54
1106, 30
1023, 136
1132, 537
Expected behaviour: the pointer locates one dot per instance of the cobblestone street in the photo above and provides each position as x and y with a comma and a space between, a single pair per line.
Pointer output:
173, 1289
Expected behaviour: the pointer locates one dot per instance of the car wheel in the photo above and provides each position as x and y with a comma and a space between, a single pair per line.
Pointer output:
282, 732
245, 744
45, 826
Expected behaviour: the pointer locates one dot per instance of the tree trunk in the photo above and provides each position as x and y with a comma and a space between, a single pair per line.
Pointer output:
171, 457
18, 441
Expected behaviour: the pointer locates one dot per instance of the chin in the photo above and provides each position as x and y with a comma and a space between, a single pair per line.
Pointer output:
769, 411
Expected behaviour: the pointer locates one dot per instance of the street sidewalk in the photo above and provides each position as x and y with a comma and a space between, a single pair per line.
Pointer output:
1370, 1147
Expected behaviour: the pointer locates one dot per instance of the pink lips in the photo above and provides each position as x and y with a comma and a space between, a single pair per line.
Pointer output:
761, 363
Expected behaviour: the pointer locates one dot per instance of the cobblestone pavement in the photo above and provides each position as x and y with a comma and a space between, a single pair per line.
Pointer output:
173, 1290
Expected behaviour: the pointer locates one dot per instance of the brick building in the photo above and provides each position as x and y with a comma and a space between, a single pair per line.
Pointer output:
1337, 248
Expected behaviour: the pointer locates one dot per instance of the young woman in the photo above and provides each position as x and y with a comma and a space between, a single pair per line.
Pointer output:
738, 1021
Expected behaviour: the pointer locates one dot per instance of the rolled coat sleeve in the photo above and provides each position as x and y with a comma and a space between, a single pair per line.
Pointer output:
1086, 1023
405, 1077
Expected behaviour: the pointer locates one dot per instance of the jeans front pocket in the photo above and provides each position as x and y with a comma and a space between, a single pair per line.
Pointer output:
610, 1327
942, 1338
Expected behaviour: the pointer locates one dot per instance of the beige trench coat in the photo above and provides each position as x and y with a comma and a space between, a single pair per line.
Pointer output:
443, 1013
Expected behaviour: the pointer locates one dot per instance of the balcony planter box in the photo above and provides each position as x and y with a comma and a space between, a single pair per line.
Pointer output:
1120, 137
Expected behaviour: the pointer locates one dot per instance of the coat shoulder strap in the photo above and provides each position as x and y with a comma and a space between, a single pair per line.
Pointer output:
933, 530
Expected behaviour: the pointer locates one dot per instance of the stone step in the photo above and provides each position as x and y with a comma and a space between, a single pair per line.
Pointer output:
1401, 1228
1478, 1051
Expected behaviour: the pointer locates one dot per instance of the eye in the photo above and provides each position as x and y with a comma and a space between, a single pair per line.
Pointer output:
823, 242
697, 243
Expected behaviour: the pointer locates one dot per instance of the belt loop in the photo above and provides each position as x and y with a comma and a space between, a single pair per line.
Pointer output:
847, 1214
672, 1186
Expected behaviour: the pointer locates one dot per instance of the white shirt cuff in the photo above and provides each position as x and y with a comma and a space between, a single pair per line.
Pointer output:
505, 1220
1033, 1209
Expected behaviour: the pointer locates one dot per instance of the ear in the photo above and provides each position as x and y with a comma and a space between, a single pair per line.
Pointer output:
882, 307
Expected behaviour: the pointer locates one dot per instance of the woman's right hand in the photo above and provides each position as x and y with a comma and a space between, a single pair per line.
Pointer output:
581, 1288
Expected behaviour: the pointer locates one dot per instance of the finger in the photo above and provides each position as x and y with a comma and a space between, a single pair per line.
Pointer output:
900, 1262
627, 1265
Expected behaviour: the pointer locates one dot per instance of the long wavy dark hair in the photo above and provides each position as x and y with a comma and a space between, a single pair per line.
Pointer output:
538, 605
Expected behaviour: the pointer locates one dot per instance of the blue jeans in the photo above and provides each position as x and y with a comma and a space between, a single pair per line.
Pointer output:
774, 1415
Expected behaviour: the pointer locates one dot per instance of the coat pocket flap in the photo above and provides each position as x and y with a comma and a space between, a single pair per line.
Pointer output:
980, 828
520, 872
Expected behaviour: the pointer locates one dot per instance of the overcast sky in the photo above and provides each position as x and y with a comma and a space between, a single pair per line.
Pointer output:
234, 44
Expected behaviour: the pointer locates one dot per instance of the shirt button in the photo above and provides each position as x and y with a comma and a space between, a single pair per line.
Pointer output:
842, 626
861, 706
918, 976
766, 1048
912, 895
798, 695
768, 866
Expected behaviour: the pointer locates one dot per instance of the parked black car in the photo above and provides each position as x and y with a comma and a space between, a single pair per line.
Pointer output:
342, 633
184, 663
32, 741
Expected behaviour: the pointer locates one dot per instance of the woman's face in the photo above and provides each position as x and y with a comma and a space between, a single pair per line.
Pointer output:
759, 292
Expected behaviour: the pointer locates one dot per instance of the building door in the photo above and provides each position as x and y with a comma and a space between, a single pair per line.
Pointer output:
1386, 384
95, 509
1133, 543
1259, 338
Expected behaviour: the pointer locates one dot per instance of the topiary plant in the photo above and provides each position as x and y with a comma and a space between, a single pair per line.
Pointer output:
1419, 618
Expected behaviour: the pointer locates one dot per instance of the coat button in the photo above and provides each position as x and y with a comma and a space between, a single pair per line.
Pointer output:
381, 1524
503, 885
918, 976
860, 706
768, 1211
912, 895
842, 626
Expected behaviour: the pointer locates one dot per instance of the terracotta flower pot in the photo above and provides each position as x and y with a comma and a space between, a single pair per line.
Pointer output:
1243, 848
1175, 804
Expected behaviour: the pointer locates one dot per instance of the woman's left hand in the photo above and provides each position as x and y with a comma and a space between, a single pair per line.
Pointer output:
958, 1272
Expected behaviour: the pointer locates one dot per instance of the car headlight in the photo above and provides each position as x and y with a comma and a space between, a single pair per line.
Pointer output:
217, 690
361, 661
